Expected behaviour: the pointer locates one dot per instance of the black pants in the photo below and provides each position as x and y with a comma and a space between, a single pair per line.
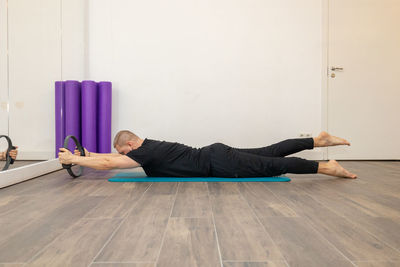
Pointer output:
267, 161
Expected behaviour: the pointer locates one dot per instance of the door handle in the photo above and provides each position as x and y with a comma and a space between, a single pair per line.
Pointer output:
336, 69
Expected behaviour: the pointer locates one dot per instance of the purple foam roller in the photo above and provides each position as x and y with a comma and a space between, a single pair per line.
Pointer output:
104, 117
73, 111
59, 115
89, 115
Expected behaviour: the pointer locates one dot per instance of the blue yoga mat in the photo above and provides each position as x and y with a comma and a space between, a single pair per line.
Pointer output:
135, 177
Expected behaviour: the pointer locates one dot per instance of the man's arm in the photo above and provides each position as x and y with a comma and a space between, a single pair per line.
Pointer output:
105, 163
92, 154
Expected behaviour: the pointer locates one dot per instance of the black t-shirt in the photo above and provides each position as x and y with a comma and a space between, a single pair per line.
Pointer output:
162, 159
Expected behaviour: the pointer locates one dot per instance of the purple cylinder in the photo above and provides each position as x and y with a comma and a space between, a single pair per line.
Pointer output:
104, 118
73, 111
59, 115
89, 115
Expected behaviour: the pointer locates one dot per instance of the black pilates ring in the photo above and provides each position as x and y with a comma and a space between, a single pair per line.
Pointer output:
68, 167
9, 159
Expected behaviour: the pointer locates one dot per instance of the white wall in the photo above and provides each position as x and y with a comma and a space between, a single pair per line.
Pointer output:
246, 73
74, 39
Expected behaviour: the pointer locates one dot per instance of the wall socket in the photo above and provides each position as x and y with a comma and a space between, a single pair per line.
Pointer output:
305, 135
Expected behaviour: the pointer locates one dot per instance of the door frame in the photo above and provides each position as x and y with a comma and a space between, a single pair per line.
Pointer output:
324, 70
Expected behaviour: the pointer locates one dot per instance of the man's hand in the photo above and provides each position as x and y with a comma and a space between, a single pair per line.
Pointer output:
13, 153
65, 156
78, 153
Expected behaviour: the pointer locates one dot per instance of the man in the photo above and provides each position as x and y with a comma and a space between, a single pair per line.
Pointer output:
160, 158
13, 154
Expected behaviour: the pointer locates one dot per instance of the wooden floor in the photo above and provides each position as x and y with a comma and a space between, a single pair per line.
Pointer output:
315, 220
19, 163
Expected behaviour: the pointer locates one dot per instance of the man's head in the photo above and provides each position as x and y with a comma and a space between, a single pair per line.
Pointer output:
126, 141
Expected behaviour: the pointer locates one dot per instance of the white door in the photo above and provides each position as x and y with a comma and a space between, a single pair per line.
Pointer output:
34, 43
3, 69
364, 97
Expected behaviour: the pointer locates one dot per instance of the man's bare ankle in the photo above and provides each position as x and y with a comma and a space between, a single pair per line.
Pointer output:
317, 142
323, 167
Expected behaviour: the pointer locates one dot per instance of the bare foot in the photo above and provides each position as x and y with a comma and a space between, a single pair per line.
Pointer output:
325, 139
333, 168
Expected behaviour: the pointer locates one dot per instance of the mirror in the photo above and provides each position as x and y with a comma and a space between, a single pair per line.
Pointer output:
30, 63
13, 160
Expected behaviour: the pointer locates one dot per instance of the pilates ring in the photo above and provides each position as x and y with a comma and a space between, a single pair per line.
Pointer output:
68, 167
9, 160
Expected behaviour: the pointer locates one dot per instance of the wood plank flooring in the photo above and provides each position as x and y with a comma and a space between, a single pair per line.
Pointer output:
19, 163
315, 220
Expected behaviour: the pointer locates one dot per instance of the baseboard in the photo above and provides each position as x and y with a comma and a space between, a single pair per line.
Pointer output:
320, 154
28, 172
35, 155
315, 154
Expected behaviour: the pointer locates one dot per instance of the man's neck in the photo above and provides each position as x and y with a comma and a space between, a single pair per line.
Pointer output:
138, 143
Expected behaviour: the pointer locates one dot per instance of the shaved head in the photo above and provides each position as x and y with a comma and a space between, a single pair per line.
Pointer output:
122, 137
